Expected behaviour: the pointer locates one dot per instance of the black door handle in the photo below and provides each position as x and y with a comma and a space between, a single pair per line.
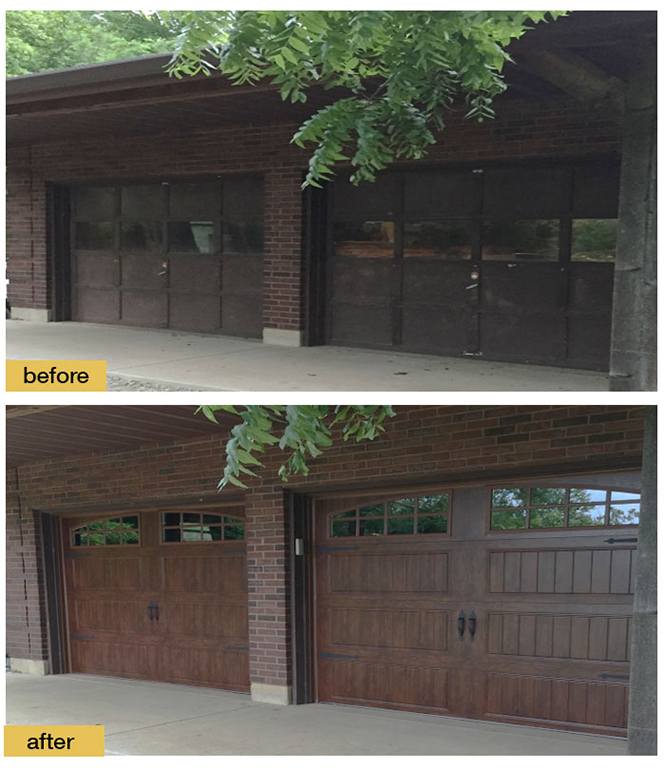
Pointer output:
149, 612
472, 625
460, 626
156, 612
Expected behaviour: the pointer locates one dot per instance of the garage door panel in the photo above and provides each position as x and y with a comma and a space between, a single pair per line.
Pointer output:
389, 572
122, 616
98, 269
361, 324
108, 573
110, 658
552, 701
389, 628
579, 571
411, 687
97, 305
210, 667
555, 635
141, 308
204, 573
194, 312
206, 620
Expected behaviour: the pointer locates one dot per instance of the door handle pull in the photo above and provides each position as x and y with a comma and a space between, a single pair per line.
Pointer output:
472, 625
149, 612
164, 272
460, 626
156, 608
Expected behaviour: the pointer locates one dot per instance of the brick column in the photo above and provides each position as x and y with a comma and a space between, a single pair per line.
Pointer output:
266, 532
27, 265
27, 645
283, 274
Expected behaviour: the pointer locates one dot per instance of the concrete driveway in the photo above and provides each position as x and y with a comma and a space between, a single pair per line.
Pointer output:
141, 358
151, 718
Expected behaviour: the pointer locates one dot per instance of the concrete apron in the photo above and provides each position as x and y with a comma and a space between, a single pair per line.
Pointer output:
153, 718
210, 362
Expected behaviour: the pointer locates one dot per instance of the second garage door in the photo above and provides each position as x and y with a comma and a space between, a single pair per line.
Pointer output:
159, 596
510, 603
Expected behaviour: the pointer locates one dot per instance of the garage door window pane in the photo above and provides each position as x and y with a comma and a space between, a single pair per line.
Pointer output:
364, 239
373, 510
234, 532
371, 527
433, 504
555, 496
588, 495
171, 536
141, 236
343, 528
512, 519
170, 519
94, 236
625, 513
594, 240
192, 237
623, 496
400, 526
400, 507
242, 238
432, 524
586, 516
544, 518
117, 531
527, 240
439, 240
507, 498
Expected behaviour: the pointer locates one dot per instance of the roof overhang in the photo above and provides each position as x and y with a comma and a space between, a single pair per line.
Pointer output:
39, 433
137, 97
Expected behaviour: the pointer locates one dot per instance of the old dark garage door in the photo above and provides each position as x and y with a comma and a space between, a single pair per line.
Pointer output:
159, 596
505, 263
509, 603
178, 254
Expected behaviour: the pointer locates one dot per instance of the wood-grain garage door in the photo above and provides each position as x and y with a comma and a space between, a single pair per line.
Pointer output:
510, 603
175, 254
159, 596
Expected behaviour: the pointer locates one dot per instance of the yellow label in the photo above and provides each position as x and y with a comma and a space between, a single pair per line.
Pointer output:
56, 375
54, 741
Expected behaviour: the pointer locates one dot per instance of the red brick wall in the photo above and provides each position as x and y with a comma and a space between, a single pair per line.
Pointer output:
523, 130
421, 443
26, 616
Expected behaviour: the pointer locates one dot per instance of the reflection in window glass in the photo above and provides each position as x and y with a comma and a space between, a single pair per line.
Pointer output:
619, 496
402, 526
242, 238
399, 507
371, 527
344, 515
372, 510
428, 524
141, 236
119, 531
625, 513
586, 515
95, 236
588, 495
343, 528
443, 240
197, 237
364, 239
594, 240
555, 496
235, 532
541, 518
433, 504
529, 240
506, 498
512, 519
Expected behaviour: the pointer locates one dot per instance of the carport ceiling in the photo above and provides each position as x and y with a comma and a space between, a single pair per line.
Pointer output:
136, 97
36, 433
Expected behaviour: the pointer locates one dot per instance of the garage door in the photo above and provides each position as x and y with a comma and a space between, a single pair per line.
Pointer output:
159, 596
508, 603
178, 255
503, 263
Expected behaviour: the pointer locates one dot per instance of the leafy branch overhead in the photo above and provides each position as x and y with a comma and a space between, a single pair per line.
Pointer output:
306, 430
398, 72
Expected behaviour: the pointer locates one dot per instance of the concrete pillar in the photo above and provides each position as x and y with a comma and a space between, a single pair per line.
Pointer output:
642, 724
633, 348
